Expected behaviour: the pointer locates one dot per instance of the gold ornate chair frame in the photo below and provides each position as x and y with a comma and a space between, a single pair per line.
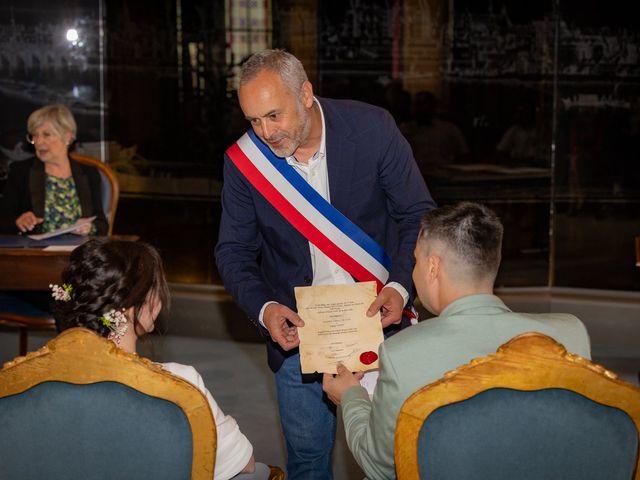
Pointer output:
528, 362
79, 356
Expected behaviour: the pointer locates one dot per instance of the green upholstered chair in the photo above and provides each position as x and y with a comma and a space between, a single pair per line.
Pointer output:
80, 407
530, 411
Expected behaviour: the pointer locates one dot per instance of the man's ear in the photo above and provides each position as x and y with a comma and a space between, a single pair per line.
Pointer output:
434, 266
306, 94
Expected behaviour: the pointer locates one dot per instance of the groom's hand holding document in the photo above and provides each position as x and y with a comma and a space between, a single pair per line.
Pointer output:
337, 328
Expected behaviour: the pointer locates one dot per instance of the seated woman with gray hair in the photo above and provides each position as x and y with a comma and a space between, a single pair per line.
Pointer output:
52, 191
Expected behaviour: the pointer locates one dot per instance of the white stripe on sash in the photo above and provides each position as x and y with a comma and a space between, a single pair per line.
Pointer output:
307, 209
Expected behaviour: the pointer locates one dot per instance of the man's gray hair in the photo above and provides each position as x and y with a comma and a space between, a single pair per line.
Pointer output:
469, 231
283, 63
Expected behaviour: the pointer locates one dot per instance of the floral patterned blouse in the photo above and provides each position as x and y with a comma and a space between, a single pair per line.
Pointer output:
61, 204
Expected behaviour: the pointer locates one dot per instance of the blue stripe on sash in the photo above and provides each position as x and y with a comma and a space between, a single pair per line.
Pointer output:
325, 208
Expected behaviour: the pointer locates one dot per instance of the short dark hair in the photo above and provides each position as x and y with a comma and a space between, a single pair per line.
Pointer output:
109, 274
472, 232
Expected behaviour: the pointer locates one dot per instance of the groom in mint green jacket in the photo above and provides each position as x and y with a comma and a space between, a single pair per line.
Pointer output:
457, 259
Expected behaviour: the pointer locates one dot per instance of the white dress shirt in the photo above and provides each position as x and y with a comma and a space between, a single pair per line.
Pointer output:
325, 270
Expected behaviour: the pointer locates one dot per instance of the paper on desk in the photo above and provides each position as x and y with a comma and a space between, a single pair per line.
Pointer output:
337, 328
60, 231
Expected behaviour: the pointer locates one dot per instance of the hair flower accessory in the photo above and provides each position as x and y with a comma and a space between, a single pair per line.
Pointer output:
62, 293
116, 321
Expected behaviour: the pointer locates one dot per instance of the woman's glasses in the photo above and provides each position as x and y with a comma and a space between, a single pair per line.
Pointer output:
31, 138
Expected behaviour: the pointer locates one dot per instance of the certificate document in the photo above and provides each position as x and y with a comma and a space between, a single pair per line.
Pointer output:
62, 230
337, 329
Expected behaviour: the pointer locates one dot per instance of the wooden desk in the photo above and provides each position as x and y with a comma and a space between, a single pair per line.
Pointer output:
30, 268
35, 268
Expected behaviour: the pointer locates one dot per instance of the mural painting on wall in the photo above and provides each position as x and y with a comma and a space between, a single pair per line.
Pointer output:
170, 114
355, 48
496, 62
47, 55
599, 103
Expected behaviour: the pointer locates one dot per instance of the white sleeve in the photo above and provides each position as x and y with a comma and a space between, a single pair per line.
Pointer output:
233, 450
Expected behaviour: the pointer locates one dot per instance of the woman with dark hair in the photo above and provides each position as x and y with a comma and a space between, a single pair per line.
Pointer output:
117, 289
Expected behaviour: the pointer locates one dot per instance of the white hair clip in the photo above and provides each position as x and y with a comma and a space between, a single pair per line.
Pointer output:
116, 321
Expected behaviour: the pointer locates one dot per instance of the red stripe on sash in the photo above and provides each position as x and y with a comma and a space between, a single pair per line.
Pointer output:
295, 218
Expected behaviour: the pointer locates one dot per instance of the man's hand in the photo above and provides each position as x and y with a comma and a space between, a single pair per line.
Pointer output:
282, 323
391, 303
335, 386
27, 221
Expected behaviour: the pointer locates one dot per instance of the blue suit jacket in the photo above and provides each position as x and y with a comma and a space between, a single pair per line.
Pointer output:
373, 180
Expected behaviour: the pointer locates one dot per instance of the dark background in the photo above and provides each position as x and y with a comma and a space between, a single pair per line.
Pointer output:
155, 84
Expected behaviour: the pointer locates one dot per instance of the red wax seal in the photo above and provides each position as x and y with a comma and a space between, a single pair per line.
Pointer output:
368, 357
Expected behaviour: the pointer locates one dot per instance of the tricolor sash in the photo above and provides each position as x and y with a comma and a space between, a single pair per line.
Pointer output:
304, 208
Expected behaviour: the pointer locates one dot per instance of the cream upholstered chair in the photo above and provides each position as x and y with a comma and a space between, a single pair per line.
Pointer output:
529, 411
23, 316
81, 407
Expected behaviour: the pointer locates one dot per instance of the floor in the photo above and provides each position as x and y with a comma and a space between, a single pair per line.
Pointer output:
209, 333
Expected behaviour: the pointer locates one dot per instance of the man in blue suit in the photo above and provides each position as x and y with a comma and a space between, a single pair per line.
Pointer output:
354, 157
